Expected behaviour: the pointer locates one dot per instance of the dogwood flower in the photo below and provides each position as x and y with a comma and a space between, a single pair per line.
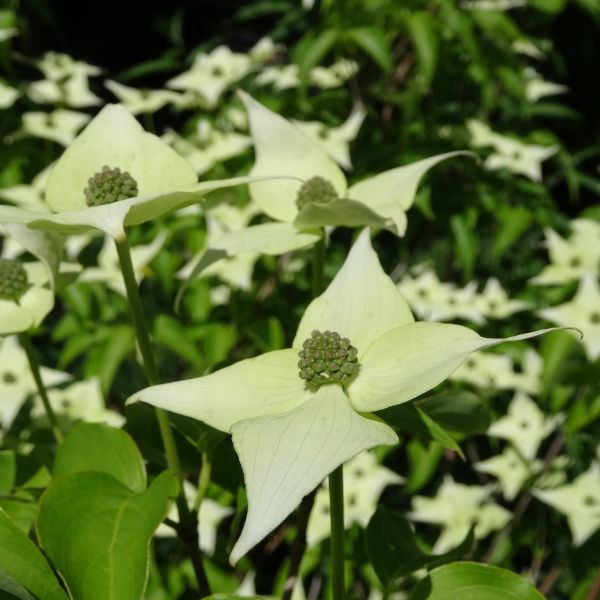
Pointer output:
114, 175
572, 258
79, 401
536, 87
511, 471
60, 126
108, 270
319, 195
16, 380
73, 91
582, 312
525, 426
527, 48
59, 66
579, 501
457, 507
364, 481
297, 414
30, 196
138, 101
493, 302
8, 95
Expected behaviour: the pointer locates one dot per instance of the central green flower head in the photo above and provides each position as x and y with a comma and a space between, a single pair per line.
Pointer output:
13, 279
110, 185
317, 190
327, 358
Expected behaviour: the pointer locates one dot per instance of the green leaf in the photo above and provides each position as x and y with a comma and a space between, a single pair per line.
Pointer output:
312, 49
375, 43
423, 463
97, 447
393, 549
474, 580
231, 597
459, 411
466, 244
96, 531
8, 470
422, 26
439, 434
555, 351
343, 212
170, 333
513, 222
24, 572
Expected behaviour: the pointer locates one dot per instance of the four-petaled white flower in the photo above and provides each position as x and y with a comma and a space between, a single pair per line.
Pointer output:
582, 312
579, 501
290, 434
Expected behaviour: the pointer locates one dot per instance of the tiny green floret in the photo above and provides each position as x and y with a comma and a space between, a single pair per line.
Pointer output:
316, 190
13, 279
326, 357
110, 185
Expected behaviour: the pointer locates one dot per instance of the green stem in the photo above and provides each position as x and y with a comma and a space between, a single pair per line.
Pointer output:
203, 481
336, 513
34, 365
187, 520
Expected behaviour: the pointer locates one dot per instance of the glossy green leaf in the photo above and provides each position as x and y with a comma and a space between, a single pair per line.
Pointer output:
469, 580
374, 42
393, 549
24, 572
97, 447
96, 532
422, 26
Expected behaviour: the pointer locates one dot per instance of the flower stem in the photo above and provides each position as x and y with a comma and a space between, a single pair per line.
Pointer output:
34, 365
187, 529
336, 513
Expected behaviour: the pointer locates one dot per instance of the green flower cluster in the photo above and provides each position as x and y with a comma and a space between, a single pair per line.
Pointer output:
327, 358
13, 279
109, 185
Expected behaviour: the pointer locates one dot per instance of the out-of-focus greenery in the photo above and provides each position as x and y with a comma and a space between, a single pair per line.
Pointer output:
431, 76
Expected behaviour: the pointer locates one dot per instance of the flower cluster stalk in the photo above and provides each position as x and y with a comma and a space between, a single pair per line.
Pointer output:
187, 528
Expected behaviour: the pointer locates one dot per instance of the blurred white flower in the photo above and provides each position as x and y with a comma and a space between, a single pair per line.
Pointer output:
16, 380
281, 77
493, 302
579, 501
8, 95
284, 77
527, 48
60, 126
335, 141
572, 258
8, 32
264, 50
73, 91
510, 469
457, 507
536, 87
58, 66
364, 481
525, 426
211, 74
29, 196
108, 270
138, 101
582, 312
493, 5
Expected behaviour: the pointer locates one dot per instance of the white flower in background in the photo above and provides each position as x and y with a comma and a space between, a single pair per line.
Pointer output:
60, 126
496, 372
138, 101
457, 507
29, 196
511, 470
493, 5
8, 95
285, 77
16, 380
364, 482
80, 401
536, 87
108, 270
58, 66
335, 141
579, 501
509, 153
281, 77
237, 270
211, 74
210, 515
264, 50
525, 426
74, 91
8, 32
493, 302
527, 48
582, 312
572, 258
208, 146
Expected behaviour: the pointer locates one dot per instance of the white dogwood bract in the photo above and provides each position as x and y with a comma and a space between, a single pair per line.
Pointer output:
288, 436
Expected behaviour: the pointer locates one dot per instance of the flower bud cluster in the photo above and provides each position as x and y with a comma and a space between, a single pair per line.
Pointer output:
13, 279
316, 190
110, 185
327, 358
